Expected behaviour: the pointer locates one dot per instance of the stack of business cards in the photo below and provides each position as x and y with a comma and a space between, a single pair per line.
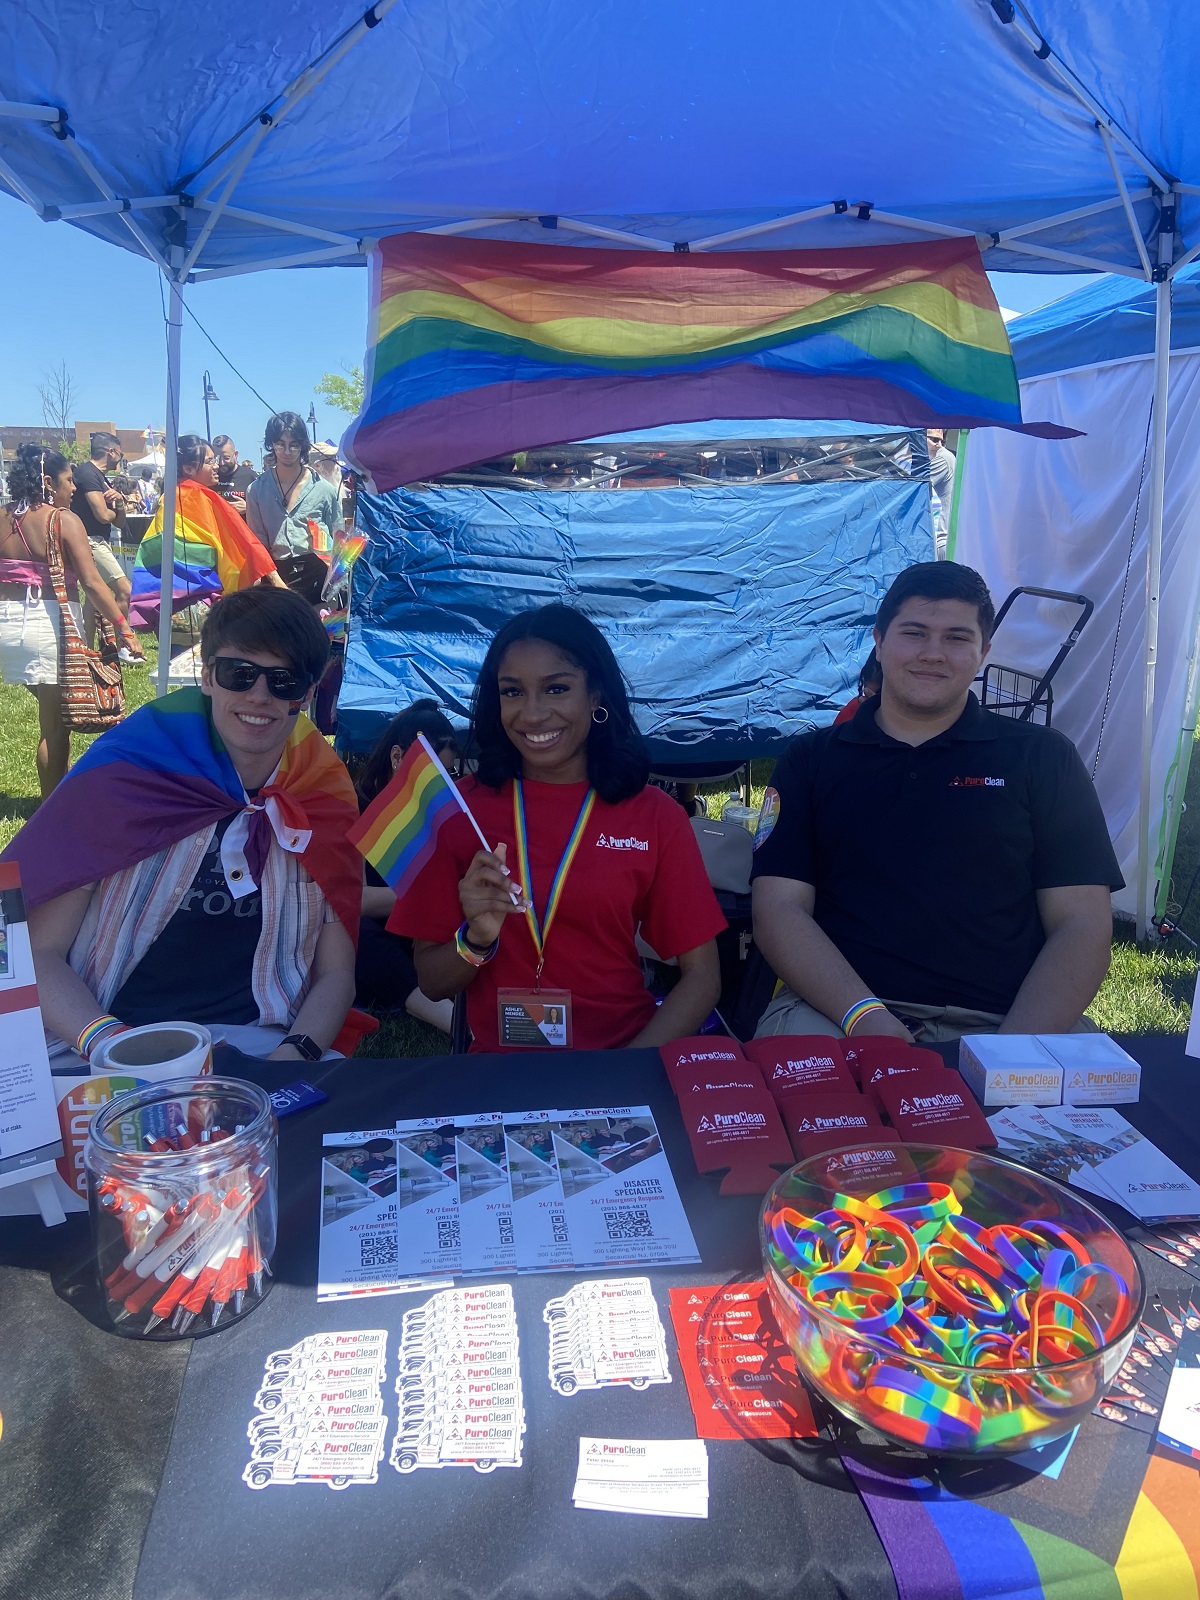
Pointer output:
459, 1382
606, 1332
1095, 1149
320, 1412
650, 1477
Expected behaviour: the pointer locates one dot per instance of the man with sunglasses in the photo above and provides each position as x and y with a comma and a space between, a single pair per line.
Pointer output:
246, 920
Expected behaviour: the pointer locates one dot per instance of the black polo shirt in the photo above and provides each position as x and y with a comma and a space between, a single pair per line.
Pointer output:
926, 860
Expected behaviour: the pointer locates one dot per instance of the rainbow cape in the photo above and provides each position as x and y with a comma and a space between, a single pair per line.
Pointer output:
943, 1546
215, 553
163, 774
478, 347
398, 830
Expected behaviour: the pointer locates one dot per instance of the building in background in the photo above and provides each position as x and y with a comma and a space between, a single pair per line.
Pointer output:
133, 440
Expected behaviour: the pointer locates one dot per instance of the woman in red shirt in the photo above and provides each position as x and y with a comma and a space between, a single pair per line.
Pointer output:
541, 929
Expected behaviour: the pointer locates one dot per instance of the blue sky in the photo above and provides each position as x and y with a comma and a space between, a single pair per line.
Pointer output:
65, 296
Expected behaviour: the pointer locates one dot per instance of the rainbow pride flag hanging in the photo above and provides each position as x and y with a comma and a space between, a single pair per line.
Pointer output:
215, 553
479, 348
398, 830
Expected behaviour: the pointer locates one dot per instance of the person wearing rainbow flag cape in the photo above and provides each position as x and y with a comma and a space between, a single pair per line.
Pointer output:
214, 553
549, 956
194, 865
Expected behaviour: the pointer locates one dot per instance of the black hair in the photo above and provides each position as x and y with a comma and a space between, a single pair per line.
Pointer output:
123, 484
870, 676
34, 463
291, 424
221, 439
190, 451
938, 580
422, 716
617, 763
267, 621
100, 442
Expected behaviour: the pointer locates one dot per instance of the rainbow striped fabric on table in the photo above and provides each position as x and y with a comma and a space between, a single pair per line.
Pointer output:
944, 1546
479, 347
215, 553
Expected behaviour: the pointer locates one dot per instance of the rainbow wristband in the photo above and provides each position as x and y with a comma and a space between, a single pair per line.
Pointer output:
96, 1030
468, 952
858, 1011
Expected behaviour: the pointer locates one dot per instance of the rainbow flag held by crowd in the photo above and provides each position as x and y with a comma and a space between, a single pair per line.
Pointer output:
398, 830
163, 774
480, 347
215, 553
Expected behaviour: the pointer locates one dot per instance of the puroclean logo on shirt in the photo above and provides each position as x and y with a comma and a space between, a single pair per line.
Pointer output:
608, 841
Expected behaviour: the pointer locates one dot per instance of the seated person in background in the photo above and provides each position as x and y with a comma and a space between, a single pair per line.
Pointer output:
930, 868
194, 864
561, 762
870, 681
384, 976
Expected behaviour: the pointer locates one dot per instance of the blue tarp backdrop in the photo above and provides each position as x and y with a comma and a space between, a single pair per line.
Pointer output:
740, 613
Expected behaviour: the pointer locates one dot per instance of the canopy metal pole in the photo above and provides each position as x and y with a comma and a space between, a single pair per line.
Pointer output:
170, 481
1158, 470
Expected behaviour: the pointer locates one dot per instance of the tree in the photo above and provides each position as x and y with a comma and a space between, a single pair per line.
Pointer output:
346, 394
58, 396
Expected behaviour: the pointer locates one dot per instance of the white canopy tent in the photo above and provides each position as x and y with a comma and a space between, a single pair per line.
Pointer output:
285, 135
1075, 518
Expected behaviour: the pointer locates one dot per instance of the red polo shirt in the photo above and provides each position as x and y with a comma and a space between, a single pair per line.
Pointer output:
638, 864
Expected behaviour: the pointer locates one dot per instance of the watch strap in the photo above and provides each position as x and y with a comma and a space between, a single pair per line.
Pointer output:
308, 1048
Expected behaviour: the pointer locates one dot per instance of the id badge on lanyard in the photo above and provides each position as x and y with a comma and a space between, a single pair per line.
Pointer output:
540, 1018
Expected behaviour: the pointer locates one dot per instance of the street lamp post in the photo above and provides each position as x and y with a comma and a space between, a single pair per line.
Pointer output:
209, 394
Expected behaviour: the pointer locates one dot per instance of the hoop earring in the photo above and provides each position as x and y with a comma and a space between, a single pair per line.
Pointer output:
596, 717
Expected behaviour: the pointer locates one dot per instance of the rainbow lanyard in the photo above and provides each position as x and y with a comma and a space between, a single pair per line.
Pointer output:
540, 932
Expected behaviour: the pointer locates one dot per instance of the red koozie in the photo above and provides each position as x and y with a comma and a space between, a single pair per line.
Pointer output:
699, 1052
907, 1059
945, 1114
740, 1130
868, 1049
870, 1164
798, 1062
817, 1122
715, 1078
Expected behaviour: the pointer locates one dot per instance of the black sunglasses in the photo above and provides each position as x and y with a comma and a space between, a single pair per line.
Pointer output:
240, 676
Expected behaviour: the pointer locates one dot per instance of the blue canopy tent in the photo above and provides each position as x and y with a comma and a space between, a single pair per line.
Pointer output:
741, 611
283, 134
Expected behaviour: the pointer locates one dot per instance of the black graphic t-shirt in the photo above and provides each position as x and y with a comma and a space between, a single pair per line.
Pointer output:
199, 968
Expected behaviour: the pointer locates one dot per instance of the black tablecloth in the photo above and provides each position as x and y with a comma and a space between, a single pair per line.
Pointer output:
88, 1415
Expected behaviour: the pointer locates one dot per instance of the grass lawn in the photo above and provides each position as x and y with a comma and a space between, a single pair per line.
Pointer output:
1145, 991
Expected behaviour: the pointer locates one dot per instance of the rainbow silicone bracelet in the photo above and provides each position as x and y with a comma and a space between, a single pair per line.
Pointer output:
94, 1032
859, 1010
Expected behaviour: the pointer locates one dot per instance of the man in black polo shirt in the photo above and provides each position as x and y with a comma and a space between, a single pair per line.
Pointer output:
929, 868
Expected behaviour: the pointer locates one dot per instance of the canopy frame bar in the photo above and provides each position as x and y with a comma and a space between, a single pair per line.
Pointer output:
166, 581
301, 228
1139, 242
105, 208
1023, 229
594, 230
30, 113
21, 189
93, 172
715, 240
308, 258
1089, 263
1006, 12
295, 91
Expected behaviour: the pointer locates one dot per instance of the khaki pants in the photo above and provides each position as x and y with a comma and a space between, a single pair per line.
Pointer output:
787, 1013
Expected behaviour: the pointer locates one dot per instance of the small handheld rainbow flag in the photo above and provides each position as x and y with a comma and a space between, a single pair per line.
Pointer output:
398, 830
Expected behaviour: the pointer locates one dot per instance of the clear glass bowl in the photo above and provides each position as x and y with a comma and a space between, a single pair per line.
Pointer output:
184, 1236
985, 1398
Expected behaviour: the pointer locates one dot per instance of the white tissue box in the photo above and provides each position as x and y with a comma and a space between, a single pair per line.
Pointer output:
1010, 1069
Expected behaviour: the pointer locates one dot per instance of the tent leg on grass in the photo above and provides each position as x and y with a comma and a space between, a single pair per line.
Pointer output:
1158, 467
170, 484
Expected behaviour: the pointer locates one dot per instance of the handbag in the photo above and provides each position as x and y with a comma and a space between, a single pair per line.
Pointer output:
93, 690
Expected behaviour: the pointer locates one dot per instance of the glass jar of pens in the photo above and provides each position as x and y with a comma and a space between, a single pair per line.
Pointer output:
182, 1191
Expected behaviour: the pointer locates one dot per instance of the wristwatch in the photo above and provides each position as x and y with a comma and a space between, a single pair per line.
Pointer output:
308, 1048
